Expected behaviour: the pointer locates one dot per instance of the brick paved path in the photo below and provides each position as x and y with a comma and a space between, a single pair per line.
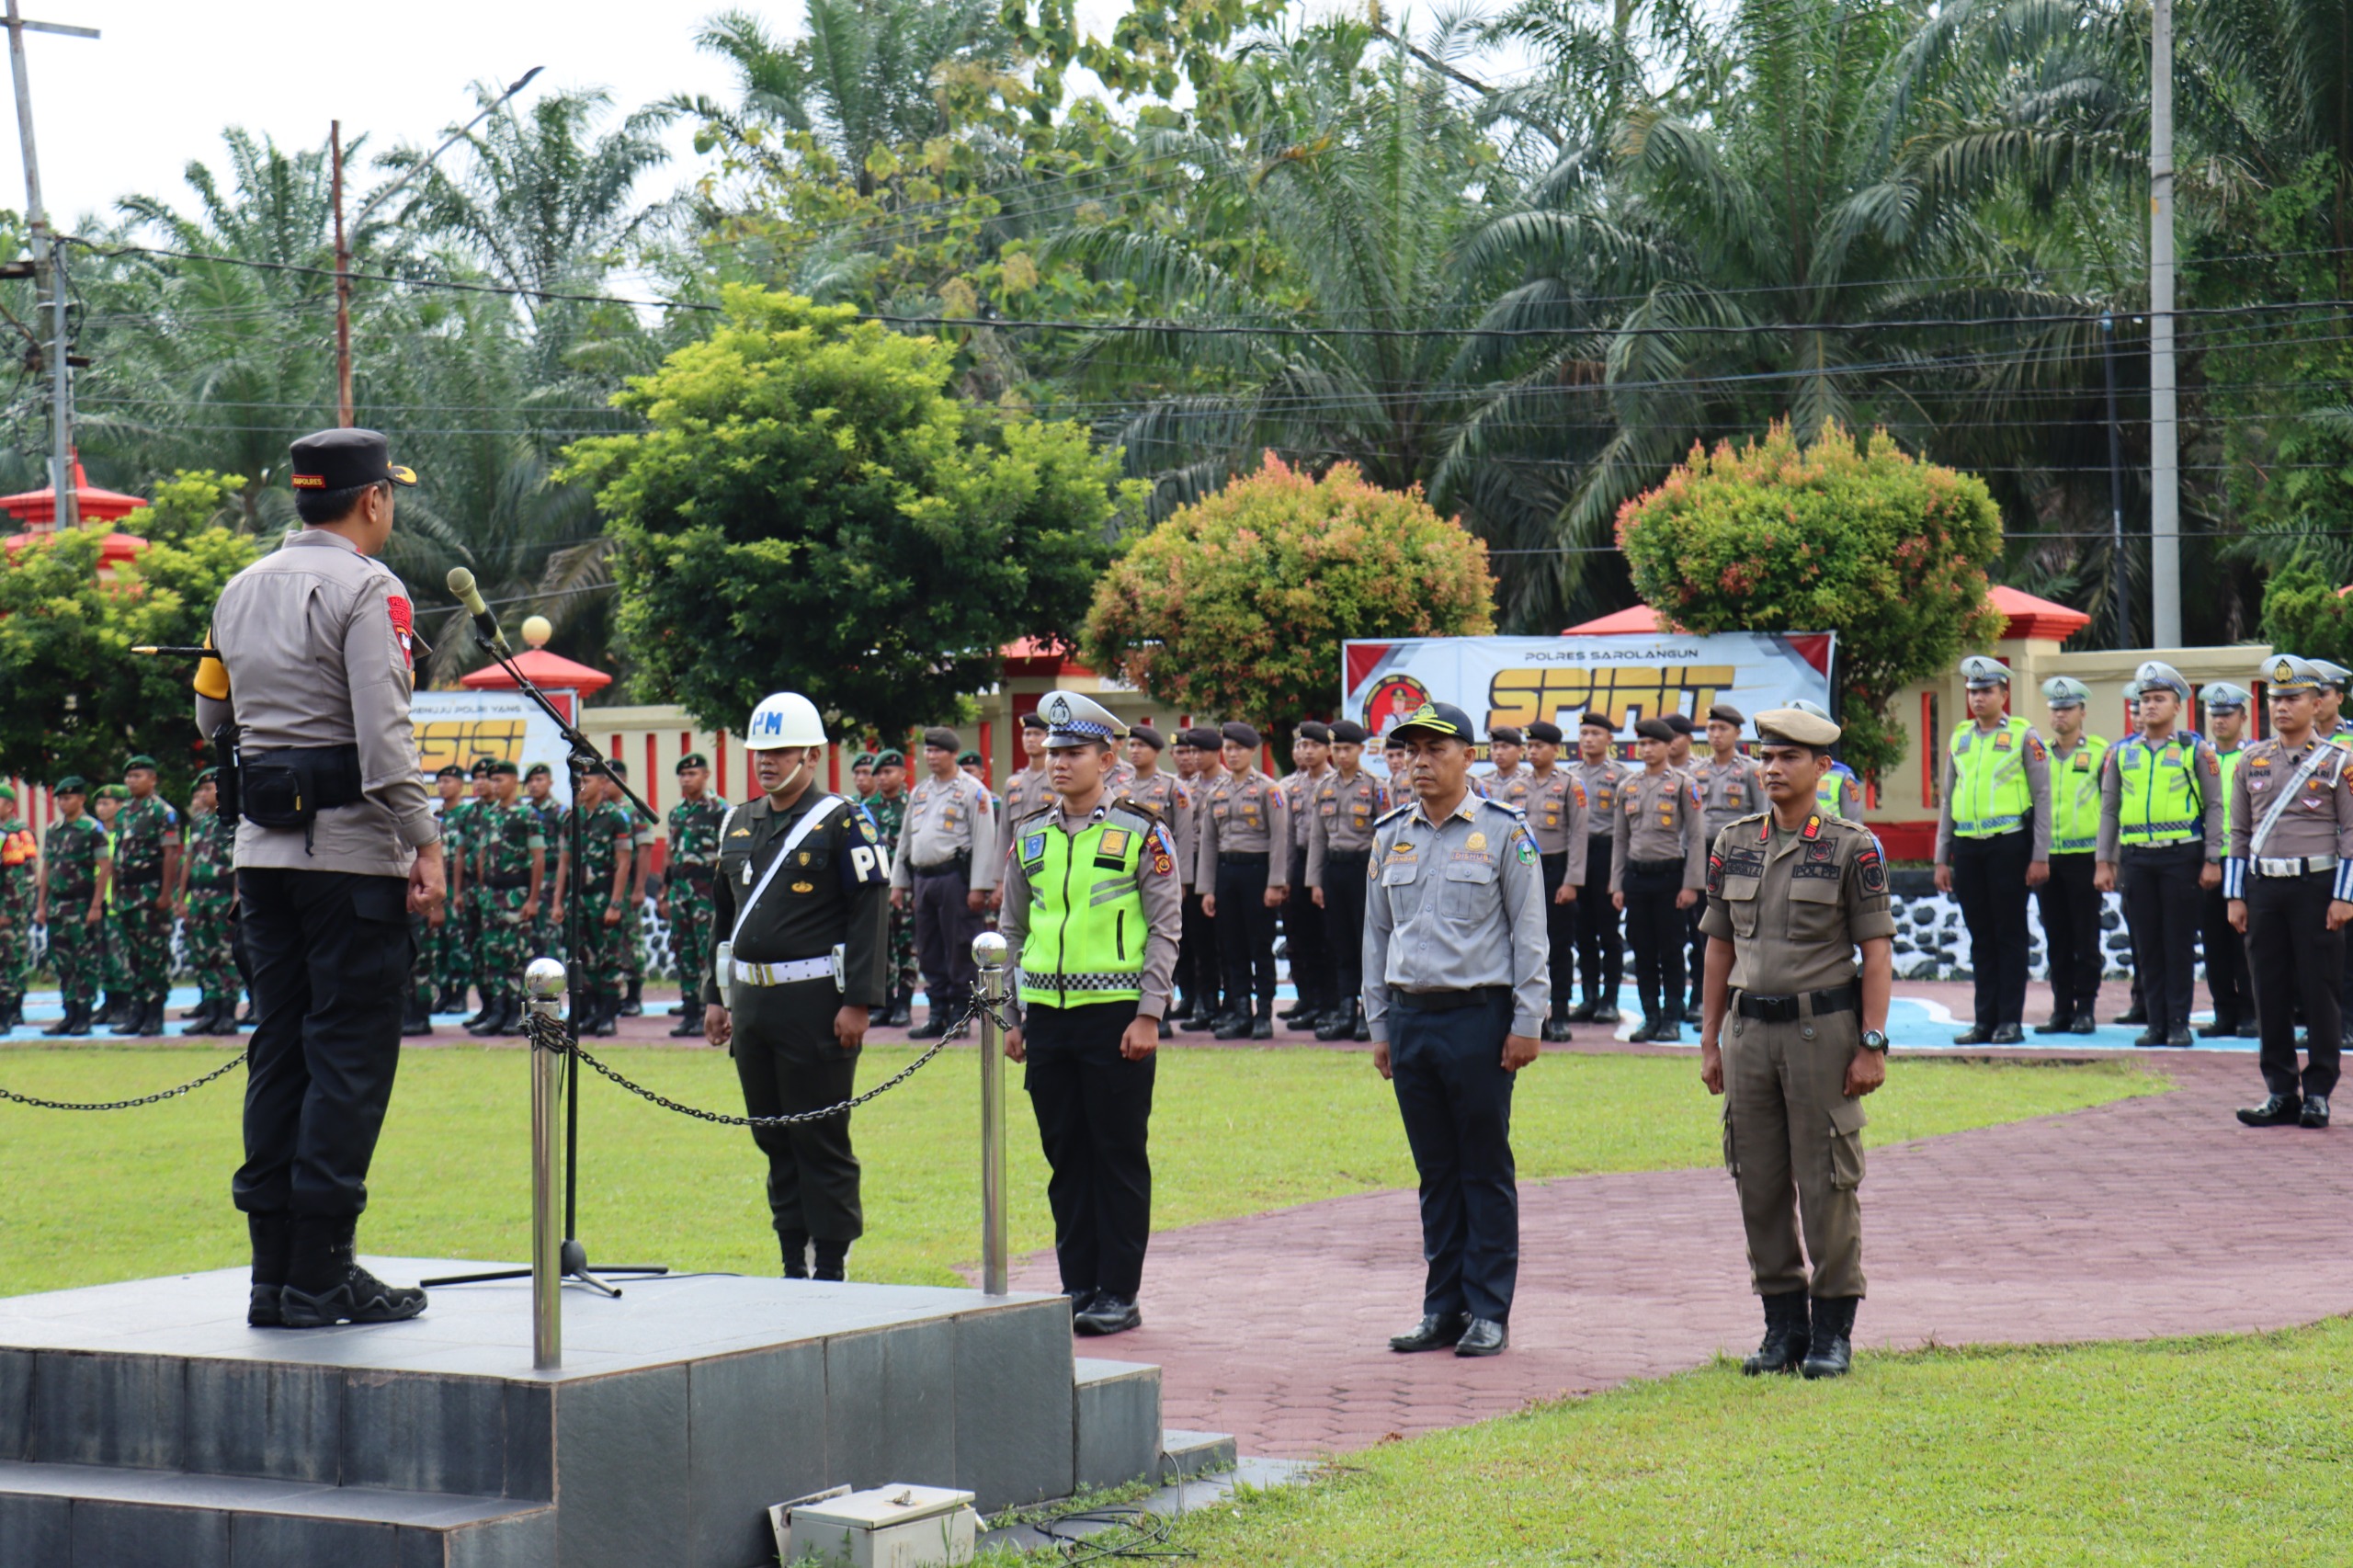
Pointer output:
2153, 1216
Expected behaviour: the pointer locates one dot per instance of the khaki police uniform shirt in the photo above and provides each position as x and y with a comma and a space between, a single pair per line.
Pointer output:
1729, 790
1342, 812
2038, 789
1795, 905
946, 818
1659, 818
2317, 820
1456, 904
1556, 809
1169, 801
1248, 815
2206, 777
1299, 795
1157, 881
316, 639
1602, 781
1027, 793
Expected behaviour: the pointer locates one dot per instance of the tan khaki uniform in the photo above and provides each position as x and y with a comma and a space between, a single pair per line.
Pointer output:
1170, 799
1728, 791
1557, 813
1794, 906
1342, 812
1248, 815
948, 818
1659, 820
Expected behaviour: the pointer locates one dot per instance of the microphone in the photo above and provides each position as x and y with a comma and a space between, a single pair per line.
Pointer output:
460, 584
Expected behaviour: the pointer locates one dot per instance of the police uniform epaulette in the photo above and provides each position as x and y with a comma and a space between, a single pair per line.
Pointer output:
1052, 808
1140, 818
1393, 814
1504, 806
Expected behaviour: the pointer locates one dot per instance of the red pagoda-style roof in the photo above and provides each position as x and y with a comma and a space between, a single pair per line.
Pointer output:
38, 508
552, 671
2025, 616
1031, 656
1635, 621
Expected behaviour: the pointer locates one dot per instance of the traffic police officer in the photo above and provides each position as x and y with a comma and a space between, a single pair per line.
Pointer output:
1730, 788
2070, 903
337, 847
1601, 948
2225, 950
1553, 801
1339, 845
1311, 962
1244, 854
1455, 990
1792, 895
2161, 810
2289, 879
1092, 906
686, 877
1993, 845
947, 867
803, 893
1660, 868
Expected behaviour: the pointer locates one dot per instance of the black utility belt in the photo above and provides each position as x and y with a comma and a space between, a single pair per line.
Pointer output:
1246, 857
943, 867
1447, 1001
1655, 868
507, 881
290, 786
1789, 1009
1347, 854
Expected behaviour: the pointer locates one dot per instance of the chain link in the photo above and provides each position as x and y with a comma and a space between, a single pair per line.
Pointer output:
223, 1071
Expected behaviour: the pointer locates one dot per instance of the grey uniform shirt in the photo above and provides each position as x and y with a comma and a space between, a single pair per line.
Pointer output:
316, 639
2317, 819
1299, 794
1248, 815
1027, 793
946, 818
1341, 819
2206, 775
1164, 906
1555, 807
1170, 800
1601, 780
1729, 790
1660, 819
1455, 904
2036, 760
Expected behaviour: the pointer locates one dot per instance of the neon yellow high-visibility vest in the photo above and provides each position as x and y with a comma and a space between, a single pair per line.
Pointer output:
2074, 799
1086, 933
1989, 788
2229, 787
2160, 801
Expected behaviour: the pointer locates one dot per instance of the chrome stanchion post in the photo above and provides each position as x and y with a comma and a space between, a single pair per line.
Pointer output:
988, 952
543, 981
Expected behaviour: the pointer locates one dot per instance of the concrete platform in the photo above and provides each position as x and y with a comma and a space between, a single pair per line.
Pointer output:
144, 1423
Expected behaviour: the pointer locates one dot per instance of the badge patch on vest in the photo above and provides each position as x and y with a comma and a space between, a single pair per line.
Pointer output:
1114, 842
2002, 741
1033, 847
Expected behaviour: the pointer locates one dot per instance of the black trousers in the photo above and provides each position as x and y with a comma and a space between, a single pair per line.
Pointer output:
2159, 884
1561, 932
1196, 956
1694, 946
1989, 883
787, 1061
1245, 931
2071, 908
2293, 957
2225, 954
945, 926
1094, 1109
1655, 929
1455, 1097
331, 953
1310, 952
1343, 894
1601, 949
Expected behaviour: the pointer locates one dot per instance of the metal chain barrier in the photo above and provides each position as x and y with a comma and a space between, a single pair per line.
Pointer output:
193, 1084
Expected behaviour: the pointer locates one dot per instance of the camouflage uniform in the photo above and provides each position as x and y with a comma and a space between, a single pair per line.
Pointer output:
75, 849
694, 859
547, 929
142, 830
633, 914
505, 836
19, 854
212, 888
457, 926
603, 967
903, 973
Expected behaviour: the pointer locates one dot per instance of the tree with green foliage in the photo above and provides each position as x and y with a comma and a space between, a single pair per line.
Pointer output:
1238, 603
2303, 613
80, 702
1859, 538
809, 508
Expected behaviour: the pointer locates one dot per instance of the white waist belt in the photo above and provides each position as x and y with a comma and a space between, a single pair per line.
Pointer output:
2295, 867
780, 973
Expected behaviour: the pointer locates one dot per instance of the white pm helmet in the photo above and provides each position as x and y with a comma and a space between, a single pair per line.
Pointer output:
784, 719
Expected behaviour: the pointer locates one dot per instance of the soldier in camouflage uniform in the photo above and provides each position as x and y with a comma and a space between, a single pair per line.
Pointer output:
78, 867
538, 793
640, 838
686, 883
510, 873
114, 996
461, 937
207, 893
147, 872
889, 810
432, 934
601, 882
19, 871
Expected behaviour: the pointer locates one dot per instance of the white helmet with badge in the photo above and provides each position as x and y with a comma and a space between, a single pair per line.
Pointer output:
784, 719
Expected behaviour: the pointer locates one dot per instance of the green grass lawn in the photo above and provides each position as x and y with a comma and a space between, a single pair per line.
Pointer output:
2205, 1451
90, 1197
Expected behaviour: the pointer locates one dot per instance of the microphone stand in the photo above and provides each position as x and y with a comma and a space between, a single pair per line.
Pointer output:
583, 759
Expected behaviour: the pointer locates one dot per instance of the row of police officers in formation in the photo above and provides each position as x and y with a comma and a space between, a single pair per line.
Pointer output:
2242, 847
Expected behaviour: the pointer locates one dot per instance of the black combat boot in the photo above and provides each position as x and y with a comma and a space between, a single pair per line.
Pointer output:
1830, 1351
1263, 1026
510, 1016
68, 1022
689, 1025
1340, 1024
489, 1005
416, 1022
1787, 1334
448, 999
1206, 1017
273, 1240
832, 1259
609, 1011
902, 1011
795, 1246
1584, 1011
934, 1023
325, 1284
486, 1023
633, 1003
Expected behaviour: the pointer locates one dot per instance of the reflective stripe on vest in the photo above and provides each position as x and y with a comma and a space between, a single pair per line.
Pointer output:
2230, 786
1086, 931
2158, 800
2075, 798
1990, 794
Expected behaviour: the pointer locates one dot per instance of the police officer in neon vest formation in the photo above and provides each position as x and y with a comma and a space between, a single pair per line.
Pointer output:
1994, 844
2225, 951
1094, 905
2161, 843
2071, 904
801, 908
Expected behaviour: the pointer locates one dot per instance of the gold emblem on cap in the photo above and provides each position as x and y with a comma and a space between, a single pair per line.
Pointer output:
2283, 671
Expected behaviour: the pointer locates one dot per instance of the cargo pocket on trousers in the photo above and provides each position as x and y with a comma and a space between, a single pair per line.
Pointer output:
1846, 1124
1731, 1154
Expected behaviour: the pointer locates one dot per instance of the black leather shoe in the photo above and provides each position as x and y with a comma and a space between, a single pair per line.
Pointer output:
1263, 1026
1555, 1030
1787, 1327
1584, 1011
1339, 1026
2147, 1038
689, 1028
1976, 1034
2315, 1111
1104, 1314
2278, 1111
2222, 1027
2250, 1027
1830, 1350
1233, 1026
1693, 1016
2084, 1023
1297, 1011
487, 1024
2061, 1022
1486, 1336
1202, 1022
1607, 1016
2136, 1013
1668, 1033
934, 1025
1363, 1028
1641, 1032
1438, 1331
2178, 1039
2009, 1034
901, 1016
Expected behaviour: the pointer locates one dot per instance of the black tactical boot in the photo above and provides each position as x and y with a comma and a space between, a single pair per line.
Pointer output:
1584, 1011
1205, 1018
489, 1005
934, 1023
1263, 1026
689, 1025
450, 1000
325, 1284
1830, 1352
1341, 1024
273, 1240
832, 1259
486, 1023
1786, 1334
902, 1011
125, 1018
1230, 1025
511, 1018
113, 1010
608, 1012
417, 1022
795, 1246
68, 1022
1363, 1029
633, 1003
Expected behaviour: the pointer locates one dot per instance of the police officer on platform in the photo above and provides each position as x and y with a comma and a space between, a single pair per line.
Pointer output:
802, 909
337, 849
1993, 845
2160, 844
1093, 907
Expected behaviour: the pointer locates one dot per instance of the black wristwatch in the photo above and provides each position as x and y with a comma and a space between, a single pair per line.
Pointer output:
1875, 1040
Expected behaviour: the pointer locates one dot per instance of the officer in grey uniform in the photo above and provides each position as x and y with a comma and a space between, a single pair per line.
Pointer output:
2222, 949
947, 866
1311, 959
1028, 790
1662, 868
1601, 947
1730, 788
2289, 879
1347, 804
338, 847
1455, 990
1553, 801
1244, 857
1165, 796
801, 903
1792, 895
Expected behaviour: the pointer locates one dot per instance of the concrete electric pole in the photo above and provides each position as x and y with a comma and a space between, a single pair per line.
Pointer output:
2165, 436
49, 276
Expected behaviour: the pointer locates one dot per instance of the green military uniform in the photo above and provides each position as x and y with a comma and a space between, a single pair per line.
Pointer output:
113, 982
906, 974
605, 836
19, 861
75, 850
146, 829
509, 860
211, 897
687, 877
546, 930
461, 928
632, 923
431, 973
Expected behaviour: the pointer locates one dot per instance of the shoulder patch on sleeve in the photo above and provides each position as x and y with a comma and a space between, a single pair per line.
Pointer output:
1715, 876
1874, 868
403, 626
2034, 746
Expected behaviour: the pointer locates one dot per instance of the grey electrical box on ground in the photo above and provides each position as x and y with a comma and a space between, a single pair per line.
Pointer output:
897, 1526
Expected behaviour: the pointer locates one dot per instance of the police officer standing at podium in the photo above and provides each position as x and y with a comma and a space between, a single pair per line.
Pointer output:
337, 849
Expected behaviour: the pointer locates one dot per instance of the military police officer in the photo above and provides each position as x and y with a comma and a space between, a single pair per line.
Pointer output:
1993, 845
2070, 903
2161, 823
1792, 895
803, 893
1455, 991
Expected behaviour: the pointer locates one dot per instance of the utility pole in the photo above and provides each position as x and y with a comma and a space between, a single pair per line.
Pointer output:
342, 244
48, 275
2165, 436
2120, 579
